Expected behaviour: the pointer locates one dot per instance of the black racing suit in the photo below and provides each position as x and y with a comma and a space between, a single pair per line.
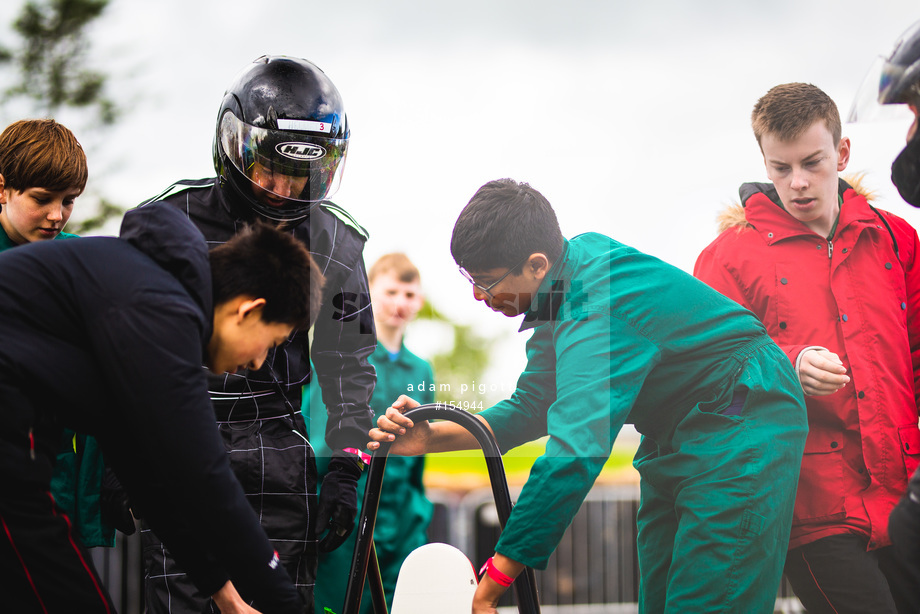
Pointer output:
105, 336
275, 465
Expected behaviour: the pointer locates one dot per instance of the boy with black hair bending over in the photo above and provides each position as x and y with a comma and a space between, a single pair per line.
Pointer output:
107, 336
622, 337
836, 284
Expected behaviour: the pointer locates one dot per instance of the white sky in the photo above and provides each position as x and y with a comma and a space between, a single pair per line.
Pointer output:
631, 117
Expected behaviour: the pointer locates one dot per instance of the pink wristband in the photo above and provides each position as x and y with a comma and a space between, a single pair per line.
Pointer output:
364, 457
493, 572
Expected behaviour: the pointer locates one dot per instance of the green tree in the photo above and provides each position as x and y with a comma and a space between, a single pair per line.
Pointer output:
465, 362
52, 73
51, 62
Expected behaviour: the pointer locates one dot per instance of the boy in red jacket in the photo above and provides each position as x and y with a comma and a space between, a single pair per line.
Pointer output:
837, 284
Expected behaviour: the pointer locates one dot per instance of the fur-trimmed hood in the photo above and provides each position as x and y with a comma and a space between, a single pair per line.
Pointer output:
733, 215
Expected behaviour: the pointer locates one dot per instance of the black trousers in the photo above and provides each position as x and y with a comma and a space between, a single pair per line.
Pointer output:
43, 567
904, 528
836, 575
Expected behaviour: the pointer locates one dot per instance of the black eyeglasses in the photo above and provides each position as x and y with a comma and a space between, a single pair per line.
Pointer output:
487, 290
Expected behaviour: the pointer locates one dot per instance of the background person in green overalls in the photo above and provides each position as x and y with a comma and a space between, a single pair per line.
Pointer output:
405, 511
622, 337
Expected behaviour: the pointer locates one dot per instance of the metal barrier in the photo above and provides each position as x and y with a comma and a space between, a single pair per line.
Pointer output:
594, 570
595, 567
121, 570
595, 563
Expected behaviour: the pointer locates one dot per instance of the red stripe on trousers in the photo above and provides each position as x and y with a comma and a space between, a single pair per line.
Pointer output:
76, 549
812, 574
23, 563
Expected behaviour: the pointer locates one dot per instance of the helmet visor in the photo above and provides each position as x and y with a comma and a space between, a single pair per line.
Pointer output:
898, 84
283, 165
877, 99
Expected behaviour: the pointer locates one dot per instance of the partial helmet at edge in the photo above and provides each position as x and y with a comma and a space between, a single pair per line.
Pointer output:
900, 79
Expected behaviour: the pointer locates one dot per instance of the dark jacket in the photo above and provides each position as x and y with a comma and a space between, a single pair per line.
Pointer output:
107, 337
77, 481
343, 337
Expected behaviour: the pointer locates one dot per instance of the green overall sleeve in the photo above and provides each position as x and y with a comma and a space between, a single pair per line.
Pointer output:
597, 364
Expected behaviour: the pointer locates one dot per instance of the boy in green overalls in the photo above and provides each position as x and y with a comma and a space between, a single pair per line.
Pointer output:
622, 337
404, 511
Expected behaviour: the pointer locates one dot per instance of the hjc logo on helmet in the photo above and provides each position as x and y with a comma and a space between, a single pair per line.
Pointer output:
300, 151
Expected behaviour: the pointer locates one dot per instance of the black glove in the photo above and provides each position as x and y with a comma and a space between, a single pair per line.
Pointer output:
338, 502
114, 506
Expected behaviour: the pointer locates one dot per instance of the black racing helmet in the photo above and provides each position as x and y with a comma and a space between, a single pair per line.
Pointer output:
281, 137
892, 81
